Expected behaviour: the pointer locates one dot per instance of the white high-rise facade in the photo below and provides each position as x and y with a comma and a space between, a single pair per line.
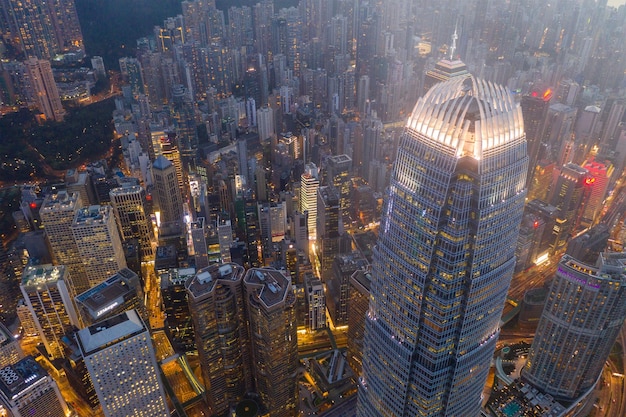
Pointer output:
57, 214
98, 242
445, 253
47, 296
120, 358
309, 183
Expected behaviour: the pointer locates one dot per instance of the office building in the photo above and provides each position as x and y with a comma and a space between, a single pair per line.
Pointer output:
120, 358
119, 293
132, 217
358, 304
445, 254
57, 214
600, 173
535, 107
339, 175
309, 183
46, 294
328, 227
582, 317
10, 349
99, 244
178, 322
167, 190
338, 285
44, 89
198, 247
570, 196
27, 321
315, 302
225, 237
216, 303
271, 307
26, 390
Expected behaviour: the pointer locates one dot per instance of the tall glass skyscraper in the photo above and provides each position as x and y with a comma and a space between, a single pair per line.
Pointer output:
445, 254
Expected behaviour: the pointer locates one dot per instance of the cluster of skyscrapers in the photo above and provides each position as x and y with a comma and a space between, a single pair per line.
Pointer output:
342, 175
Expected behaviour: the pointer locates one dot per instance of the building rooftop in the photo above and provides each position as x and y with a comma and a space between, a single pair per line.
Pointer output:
273, 285
17, 377
40, 274
108, 294
204, 280
60, 201
92, 215
5, 336
177, 276
162, 163
105, 333
126, 189
338, 159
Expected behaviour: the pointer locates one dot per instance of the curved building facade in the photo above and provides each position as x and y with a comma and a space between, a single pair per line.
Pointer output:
445, 254
582, 317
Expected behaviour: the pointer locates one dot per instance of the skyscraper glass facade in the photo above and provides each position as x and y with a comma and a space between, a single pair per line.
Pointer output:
445, 254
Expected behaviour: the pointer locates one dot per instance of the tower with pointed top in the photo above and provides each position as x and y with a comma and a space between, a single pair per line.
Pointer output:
445, 254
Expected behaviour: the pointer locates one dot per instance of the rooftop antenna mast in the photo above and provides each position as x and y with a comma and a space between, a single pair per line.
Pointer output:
453, 47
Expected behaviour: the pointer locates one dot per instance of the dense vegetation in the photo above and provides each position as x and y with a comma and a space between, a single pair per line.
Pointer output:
30, 149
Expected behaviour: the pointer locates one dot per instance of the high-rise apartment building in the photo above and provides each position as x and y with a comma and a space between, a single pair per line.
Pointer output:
271, 307
26, 389
581, 319
309, 183
167, 190
46, 294
133, 221
44, 89
445, 253
41, 29
99, 244
216, 303
120, 358
57, 214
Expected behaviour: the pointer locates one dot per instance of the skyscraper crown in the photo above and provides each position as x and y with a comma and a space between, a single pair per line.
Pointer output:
468, 116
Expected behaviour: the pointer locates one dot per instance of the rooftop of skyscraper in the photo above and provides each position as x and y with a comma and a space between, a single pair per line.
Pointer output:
467, 116
61, 200
40, 274
177, 276
92, 215
5, 336
114, 330
15, 378
273, 285
205, 279
108, 294
126, 189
